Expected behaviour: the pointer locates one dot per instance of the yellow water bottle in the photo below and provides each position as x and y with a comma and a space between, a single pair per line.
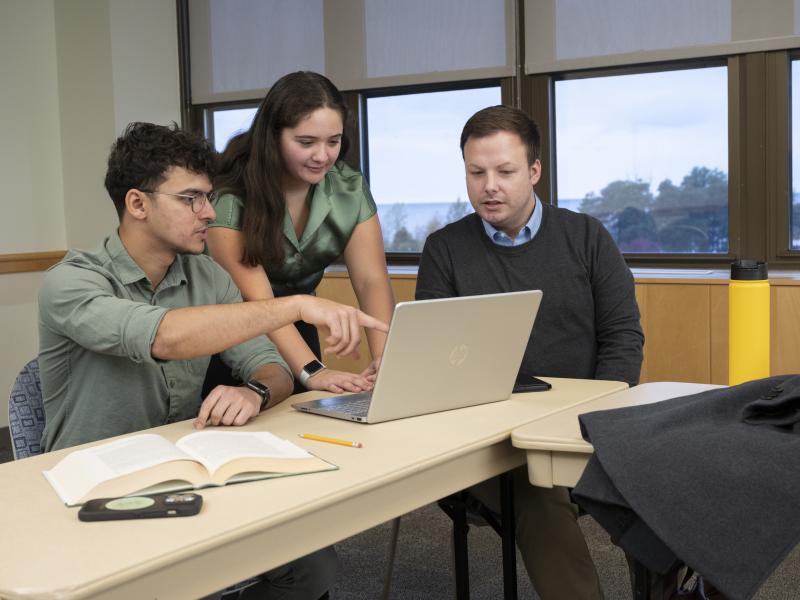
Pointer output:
748, 322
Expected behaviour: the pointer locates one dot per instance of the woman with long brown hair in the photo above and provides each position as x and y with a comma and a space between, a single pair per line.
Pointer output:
290, 206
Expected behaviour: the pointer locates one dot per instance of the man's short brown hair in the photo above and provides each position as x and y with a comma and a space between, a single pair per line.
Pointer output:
141, 156
490, 120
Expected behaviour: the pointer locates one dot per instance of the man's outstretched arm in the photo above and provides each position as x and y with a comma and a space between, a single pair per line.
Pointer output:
186, 333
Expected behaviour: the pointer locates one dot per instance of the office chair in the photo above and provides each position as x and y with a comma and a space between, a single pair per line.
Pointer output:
26, 412
464, 510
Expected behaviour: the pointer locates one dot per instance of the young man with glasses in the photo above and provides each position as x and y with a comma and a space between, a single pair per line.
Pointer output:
126, 330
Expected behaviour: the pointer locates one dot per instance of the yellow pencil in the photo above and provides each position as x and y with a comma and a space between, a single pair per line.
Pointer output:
330, 440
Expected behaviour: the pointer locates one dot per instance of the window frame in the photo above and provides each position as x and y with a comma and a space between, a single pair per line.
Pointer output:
759, 141
205, 115
411, 258
778, 154
541, 104
759, 154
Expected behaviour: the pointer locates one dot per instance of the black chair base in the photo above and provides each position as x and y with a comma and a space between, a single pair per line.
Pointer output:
457, 506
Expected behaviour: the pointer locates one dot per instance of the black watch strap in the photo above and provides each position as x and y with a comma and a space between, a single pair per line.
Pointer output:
260, 389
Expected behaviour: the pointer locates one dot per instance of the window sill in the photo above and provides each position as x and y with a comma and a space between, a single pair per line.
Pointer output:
641, 275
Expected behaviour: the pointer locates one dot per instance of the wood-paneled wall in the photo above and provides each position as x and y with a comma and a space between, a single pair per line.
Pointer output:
685, 322
336, 286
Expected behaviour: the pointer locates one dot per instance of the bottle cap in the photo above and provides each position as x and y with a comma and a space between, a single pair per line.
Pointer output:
749, 270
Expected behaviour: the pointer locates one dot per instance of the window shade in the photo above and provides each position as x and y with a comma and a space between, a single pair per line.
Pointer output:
563, 35
239, 48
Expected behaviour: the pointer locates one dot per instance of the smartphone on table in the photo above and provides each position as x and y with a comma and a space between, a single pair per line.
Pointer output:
150, 506
528, 383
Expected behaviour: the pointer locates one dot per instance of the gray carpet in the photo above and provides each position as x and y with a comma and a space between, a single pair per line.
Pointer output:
422, 568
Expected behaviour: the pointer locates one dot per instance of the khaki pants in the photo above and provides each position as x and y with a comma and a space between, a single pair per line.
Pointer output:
548, 536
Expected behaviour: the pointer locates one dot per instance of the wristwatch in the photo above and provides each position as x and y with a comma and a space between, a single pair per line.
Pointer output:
260, 389
310, 370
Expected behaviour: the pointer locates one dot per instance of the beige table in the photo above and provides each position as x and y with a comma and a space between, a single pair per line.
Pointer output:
556, 452
249, 528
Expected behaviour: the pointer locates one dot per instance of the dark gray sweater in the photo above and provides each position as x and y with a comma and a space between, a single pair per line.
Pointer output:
588, 322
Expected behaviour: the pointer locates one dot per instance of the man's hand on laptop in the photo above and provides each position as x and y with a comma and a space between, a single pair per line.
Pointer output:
343, 324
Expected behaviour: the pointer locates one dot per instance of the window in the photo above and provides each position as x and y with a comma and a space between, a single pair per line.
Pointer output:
414, 163
795, 119
224, 123
647, 154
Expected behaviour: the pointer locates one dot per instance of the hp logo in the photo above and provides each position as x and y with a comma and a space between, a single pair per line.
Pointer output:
458, 355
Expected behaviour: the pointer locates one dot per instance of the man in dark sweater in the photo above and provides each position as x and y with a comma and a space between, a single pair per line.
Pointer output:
587, 326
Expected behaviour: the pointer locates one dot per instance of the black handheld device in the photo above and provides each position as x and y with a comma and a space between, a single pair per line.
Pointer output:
181, 504
527, 383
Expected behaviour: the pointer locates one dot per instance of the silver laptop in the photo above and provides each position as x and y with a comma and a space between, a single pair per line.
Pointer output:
443, 354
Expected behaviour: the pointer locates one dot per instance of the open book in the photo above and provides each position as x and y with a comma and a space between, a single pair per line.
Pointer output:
148, 463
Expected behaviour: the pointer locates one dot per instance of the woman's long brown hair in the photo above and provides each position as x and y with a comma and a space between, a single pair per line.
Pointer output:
251, 165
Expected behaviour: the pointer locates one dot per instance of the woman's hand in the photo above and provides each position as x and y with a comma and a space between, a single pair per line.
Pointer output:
338, 382
371, 372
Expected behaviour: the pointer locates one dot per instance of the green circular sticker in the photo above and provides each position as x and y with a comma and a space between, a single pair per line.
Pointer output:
132, 503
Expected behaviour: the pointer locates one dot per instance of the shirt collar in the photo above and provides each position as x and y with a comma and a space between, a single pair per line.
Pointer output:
126, 268
526, 234
319, 198
129, 271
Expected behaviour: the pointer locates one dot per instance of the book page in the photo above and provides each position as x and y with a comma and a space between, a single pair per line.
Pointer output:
82, 470
136, 453
215, 448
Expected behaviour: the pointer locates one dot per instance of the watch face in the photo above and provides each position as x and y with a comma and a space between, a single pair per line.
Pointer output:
313, 367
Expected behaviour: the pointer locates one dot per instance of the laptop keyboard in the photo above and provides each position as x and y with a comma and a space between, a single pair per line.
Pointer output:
354, 404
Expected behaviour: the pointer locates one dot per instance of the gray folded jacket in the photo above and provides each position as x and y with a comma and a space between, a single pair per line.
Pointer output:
692, 479
779, 407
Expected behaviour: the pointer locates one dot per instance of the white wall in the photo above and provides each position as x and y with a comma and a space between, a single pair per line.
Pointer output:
74, 73
30, 138
86, 104
144, 57
117, 63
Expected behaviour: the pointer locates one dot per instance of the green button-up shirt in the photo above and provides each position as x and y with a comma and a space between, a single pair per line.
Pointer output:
98, 317
339, 203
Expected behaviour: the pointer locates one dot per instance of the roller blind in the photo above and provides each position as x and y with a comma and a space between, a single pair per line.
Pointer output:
563, 35
239, 48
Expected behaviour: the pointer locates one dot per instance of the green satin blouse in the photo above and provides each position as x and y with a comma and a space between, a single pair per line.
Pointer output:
338, 204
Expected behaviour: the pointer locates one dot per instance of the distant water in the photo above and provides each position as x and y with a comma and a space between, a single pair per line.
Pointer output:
419, 216
415, 216
570, 203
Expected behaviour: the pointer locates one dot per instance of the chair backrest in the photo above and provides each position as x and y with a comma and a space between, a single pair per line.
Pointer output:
26, 412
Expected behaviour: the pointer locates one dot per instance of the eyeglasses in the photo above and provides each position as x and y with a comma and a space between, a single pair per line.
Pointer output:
197, 200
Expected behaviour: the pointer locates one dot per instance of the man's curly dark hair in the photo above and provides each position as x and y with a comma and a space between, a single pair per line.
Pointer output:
142, 155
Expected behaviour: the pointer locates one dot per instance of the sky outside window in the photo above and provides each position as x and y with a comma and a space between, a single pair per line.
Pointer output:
416, 172
229, 122
647, 154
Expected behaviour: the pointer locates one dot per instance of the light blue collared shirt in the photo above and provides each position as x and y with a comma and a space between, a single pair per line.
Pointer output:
525, 234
